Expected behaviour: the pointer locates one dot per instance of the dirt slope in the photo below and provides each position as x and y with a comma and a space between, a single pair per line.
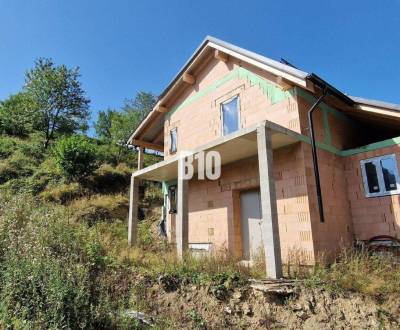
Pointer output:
195, 307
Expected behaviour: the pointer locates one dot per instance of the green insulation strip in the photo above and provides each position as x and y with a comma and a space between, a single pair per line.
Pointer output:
327, 129
273, 92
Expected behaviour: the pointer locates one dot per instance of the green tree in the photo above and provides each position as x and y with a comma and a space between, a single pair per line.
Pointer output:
113, 128
76, 156
17, 115
123, 123
103, 125
142, 103
116, 126
61, 103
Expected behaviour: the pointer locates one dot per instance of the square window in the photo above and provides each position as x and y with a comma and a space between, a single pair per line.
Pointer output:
380, 176
173, 136
230, 115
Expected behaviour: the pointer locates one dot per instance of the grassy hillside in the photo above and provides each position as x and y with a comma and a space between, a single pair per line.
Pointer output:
64, 262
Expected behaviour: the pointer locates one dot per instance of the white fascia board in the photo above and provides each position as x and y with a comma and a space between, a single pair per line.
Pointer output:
263, 66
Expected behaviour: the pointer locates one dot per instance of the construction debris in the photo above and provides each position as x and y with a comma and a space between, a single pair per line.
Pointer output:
280, 286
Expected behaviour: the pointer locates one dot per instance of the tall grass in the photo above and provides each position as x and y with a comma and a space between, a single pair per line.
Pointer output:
54, 274
361, 271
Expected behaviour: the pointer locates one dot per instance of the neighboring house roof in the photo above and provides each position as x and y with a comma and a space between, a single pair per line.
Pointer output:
285, 71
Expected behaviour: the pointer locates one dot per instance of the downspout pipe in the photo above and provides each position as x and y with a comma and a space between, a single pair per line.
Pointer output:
314, 152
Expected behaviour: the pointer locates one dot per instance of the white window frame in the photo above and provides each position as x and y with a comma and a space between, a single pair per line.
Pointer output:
381, 181
176, 140
221, 113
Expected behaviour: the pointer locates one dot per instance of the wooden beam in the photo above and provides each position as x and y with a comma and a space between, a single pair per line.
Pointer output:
148, 145
162, 109
221, 56
188, 78
285, 85
140, 158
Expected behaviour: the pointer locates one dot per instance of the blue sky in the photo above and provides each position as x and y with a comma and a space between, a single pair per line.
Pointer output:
126, 46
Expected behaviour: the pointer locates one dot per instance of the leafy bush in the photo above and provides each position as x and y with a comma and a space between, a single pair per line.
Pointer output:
76, 157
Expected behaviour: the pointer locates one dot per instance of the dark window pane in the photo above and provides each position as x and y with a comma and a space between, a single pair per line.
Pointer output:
230, 116
172, 199
372, 177
389, 173
173, 136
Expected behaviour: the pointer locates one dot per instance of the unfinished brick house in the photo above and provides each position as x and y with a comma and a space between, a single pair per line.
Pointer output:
275, 194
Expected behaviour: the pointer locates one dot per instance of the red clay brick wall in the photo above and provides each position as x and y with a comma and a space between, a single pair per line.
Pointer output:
375, 215
214, 206
293, 205
337, 230
199, 122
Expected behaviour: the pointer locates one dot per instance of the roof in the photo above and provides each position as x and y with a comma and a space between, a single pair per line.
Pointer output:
375, 103
288, 72
251, 55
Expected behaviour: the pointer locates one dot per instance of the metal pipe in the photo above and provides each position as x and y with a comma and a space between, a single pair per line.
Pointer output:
314, 152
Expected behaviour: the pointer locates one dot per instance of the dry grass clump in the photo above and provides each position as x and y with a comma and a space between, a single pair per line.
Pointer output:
16, 166
359, 271
62, 193
99, 208
109, 179
153, 194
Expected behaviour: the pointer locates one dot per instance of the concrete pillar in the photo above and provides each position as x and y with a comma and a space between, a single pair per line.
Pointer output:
270, 229
182, 230
133, 211
140, 166
140, 158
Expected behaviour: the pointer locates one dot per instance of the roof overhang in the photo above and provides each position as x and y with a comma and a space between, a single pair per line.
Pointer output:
149, 133
233, 147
